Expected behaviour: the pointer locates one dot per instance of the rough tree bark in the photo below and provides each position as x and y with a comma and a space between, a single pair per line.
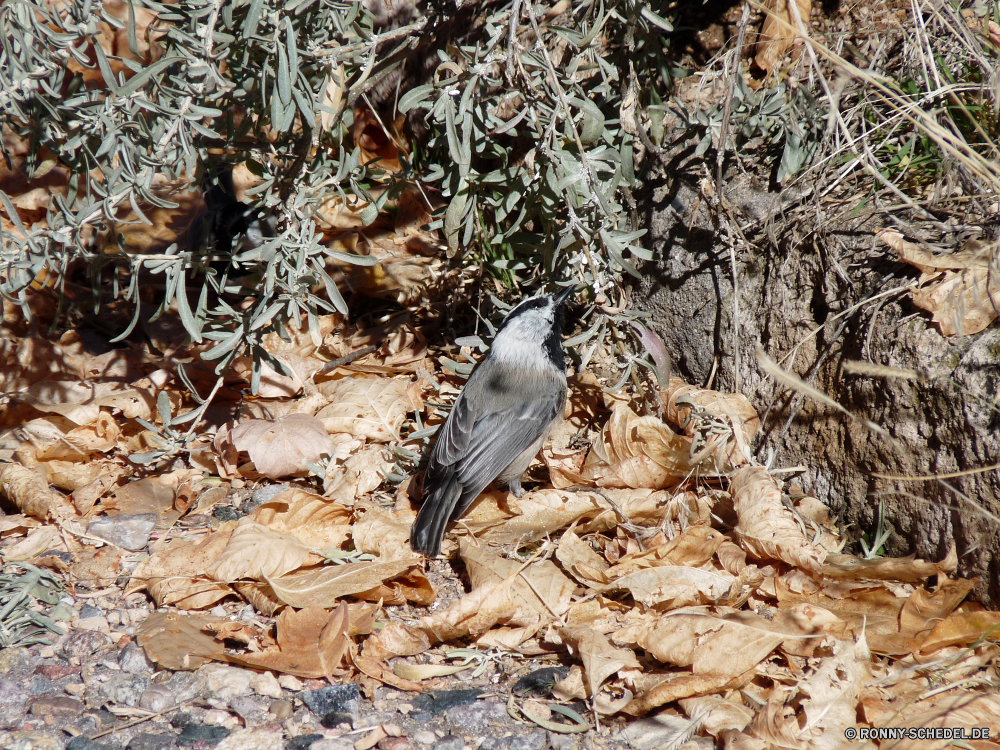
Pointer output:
797, 292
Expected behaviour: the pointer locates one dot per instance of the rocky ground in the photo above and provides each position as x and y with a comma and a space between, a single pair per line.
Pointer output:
52, 697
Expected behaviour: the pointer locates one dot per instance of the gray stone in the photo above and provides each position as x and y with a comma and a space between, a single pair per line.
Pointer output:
475, 717
253, 709
83, 742
449, 742
535, 740
150, 741
424, 737
89, 610
125, 689
303, 741
194, 733
13, 701
133, 660
82, 643
261, 496
333, 704
156, 698
495, 743
334, 743
421, 717
653, 731
560, 741
441, 700
129, 532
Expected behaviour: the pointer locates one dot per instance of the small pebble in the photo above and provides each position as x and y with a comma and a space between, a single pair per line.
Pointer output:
219, 718
334, 743
98, 624
89, 610
280, 710
151, 741
156, 698
535, 740
395, 743
424, 737
290, 682
451, 742
404, 708
133, 660
266, 684
130, 532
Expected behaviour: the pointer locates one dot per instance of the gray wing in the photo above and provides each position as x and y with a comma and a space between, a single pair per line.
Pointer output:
499, 437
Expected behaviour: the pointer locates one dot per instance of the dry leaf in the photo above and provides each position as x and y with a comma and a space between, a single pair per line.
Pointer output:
733, 410
767, 529
29, 492
176, 575
711, 645
371, 408
383, 534
779, 31
256, 551
282, 447
959, 290
323, 586
600, 658
311, 643
673, 586
639, 451
716, 715
177, 642
963, 629
540, 592
314, 520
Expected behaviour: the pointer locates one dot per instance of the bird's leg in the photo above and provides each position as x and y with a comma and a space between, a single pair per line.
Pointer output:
515, 487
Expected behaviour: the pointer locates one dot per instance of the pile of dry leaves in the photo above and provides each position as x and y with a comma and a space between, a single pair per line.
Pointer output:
655, 557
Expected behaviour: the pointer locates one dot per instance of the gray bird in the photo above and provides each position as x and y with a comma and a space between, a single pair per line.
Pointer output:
500, 420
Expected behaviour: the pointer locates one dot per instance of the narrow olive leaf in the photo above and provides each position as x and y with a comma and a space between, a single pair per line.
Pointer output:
133, 41
656, 20
354, 260
454, 144
453, 218
555, 726
106, 72
415, 97
190, 323
141, 79
290, 48
284, 80
253, 16
163, 407
12, 213
593, 119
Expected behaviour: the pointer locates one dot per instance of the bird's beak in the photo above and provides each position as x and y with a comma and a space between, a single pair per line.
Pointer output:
565, 294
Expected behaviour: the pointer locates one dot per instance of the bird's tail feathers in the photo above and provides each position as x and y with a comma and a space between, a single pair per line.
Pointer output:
434, 514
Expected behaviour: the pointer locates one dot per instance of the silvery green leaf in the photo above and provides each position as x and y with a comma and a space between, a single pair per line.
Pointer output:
415, 97
453, 218
653, 18
106, 73
253, 16
284, 80
190, 323
369, 213
163, 407
593, 120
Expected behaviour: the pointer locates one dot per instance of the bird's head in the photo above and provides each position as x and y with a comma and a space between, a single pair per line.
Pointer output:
534, 325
